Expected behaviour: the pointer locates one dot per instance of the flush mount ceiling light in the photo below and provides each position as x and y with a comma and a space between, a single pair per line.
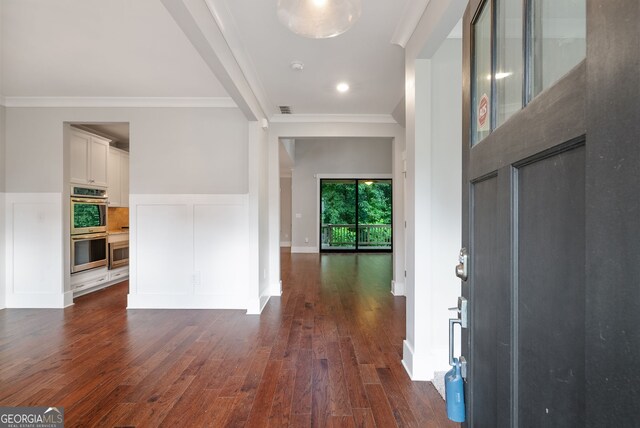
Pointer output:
319, 19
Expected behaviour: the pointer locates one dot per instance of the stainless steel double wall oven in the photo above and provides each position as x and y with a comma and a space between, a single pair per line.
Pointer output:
88, 228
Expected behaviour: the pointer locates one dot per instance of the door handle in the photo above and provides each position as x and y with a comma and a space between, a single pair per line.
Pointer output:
462, 267
462, 360
452, 322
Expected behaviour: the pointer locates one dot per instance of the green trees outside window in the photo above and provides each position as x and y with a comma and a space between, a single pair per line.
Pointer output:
356, 214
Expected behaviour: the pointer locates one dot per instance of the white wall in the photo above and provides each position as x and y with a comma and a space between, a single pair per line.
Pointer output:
2, 179
446, 204
258, 219
174, 152
2, 203
371, 156
189, 151
433, 141
285, 211
263, 221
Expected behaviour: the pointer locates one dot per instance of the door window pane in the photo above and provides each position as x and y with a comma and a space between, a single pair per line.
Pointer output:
509, 59
338, 214
481, 98
559, 39
374, 214
356, 215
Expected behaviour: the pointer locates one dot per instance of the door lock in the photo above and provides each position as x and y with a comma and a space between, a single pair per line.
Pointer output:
462, 267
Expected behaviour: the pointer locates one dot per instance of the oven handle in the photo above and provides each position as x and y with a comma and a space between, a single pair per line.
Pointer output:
89, 201
85, 237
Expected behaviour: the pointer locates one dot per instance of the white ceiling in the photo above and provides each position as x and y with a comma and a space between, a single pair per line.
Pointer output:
135, 48
363, 56
99, 48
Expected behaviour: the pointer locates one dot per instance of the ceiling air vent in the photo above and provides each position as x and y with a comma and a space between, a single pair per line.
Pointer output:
285, 109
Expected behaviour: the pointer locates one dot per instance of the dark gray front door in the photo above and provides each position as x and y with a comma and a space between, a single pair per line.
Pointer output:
551, 215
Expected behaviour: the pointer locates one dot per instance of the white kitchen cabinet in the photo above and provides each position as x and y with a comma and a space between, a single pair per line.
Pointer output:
97, 279
89, 158
119, 274
89, 279
115, 183
124, 179
118, 189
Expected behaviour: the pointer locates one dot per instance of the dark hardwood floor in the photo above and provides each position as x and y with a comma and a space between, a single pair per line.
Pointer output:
326, 354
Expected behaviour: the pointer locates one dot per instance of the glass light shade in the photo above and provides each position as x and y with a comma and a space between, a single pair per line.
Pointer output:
319, 19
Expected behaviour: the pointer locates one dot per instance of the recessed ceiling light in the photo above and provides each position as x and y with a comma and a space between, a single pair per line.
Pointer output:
320, 3
297, 66
342, 87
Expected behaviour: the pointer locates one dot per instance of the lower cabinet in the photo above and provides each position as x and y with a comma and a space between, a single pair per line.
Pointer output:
119, 274
96, 279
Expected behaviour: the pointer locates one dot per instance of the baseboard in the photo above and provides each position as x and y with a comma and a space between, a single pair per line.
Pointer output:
398, 288
257, 305
285, 244
36, 300
423, 367
304, 250
68, 298
184, 301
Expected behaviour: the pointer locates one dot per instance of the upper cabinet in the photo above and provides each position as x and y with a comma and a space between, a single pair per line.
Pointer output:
89, 158
118, 190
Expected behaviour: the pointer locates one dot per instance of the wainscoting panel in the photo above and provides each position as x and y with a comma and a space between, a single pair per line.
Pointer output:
189, 251
221, 238
33, 251
165, 249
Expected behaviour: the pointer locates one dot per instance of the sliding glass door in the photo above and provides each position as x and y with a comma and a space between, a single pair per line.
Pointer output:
355, 215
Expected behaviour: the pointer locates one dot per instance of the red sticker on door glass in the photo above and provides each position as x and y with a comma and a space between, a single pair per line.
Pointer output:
483, 113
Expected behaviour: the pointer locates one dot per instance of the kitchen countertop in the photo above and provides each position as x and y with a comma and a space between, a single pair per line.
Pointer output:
118, 232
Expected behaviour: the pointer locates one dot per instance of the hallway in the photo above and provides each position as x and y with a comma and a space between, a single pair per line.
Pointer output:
325, 354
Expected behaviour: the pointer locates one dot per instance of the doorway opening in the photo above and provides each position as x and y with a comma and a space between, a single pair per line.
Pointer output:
98, 178
356, 215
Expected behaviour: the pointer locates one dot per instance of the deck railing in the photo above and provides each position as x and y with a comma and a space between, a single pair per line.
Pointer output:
344, 235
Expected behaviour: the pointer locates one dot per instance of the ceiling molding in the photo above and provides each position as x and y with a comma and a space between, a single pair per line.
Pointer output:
413, 11
220, 102
332, 118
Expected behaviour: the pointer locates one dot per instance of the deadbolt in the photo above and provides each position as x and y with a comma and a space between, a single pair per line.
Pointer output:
462, 267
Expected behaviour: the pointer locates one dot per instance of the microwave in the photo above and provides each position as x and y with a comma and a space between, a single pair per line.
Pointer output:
88, 215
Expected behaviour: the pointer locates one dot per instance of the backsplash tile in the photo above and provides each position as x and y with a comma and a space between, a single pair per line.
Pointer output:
117, 218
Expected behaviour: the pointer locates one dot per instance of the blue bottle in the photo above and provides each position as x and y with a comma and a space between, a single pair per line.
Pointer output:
454, 392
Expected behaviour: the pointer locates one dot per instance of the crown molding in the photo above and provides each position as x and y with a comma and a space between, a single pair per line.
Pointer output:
332, 118
216, 102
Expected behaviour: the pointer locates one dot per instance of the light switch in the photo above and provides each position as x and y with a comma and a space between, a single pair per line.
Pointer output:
298, 215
